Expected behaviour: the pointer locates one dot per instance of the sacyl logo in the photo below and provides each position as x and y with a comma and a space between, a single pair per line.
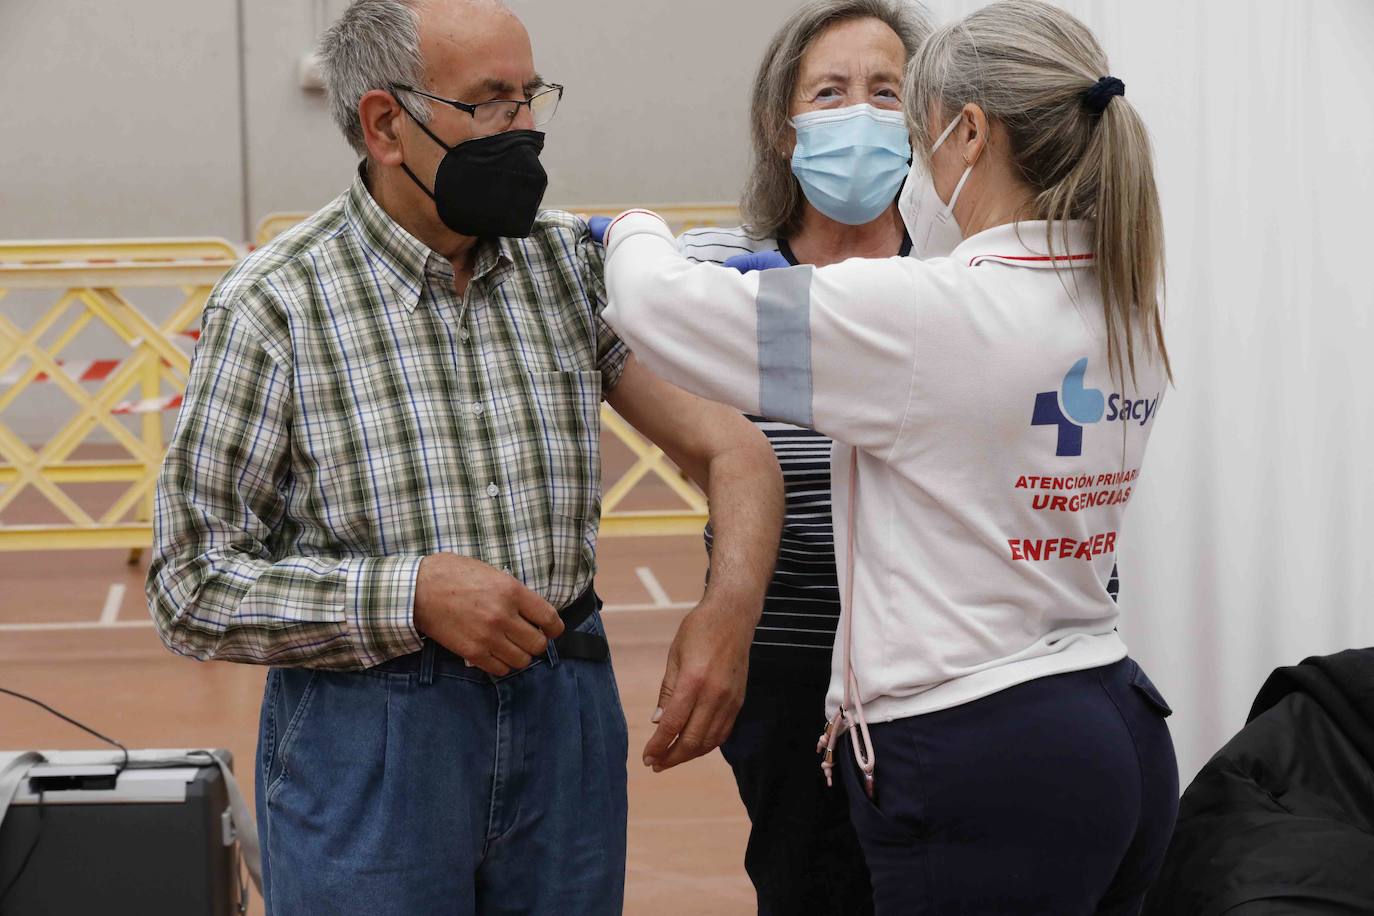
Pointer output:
1073, 407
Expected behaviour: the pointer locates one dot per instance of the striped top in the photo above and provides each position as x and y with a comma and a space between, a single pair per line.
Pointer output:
802, 606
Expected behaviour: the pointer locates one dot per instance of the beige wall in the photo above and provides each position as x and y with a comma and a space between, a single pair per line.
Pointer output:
118, 119
127, 119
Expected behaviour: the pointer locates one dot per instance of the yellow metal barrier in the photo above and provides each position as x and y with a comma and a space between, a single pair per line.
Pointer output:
87, 278
649, 460
274, 224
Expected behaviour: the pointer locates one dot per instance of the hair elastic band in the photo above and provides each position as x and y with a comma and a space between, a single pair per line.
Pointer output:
1101, 94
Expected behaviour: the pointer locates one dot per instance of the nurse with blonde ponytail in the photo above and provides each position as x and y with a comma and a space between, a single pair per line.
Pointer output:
990, 409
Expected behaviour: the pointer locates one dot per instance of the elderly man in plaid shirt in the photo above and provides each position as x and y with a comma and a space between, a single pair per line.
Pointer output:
385, 483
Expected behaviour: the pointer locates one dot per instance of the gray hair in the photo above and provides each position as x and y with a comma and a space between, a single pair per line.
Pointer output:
772, 201
375, 44
1029, 65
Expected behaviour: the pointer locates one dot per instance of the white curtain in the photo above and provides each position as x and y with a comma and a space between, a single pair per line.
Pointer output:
1247, 544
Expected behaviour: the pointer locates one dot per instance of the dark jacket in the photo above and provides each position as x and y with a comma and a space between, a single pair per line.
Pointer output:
1281, 820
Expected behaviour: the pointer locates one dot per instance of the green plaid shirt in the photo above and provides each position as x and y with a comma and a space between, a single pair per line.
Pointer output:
348, 413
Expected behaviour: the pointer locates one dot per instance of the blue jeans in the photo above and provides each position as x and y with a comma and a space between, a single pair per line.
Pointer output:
388, 792
1054, 796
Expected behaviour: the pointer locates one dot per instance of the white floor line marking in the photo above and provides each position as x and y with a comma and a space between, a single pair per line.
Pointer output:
623, 608
653, 586
103, 624
73, 625
114, 598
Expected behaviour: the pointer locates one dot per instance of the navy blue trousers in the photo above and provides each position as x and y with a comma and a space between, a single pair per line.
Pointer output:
1057, 796
803, 856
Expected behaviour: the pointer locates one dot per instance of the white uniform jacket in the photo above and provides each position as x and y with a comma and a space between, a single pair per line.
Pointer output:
996, 452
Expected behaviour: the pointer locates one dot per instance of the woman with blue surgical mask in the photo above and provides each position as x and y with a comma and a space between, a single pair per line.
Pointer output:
1000, 751
831, 149
850, 161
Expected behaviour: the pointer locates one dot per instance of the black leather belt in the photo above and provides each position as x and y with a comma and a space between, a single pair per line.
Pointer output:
587, 646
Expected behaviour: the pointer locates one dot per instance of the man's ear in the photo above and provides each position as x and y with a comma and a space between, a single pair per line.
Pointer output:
381, 117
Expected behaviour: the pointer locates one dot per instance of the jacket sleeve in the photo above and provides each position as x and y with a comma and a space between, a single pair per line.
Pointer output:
830, 348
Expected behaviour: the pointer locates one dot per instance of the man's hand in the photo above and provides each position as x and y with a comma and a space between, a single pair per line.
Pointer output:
482, 614
703, 685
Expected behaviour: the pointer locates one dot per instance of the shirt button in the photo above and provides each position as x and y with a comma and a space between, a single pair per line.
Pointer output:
493, 490
477, 409
506, 570
463, 333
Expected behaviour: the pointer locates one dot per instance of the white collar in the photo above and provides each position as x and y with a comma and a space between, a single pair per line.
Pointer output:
1023, 244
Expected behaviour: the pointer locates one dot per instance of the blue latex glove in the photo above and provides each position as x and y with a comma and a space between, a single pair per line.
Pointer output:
598, 225
757, 260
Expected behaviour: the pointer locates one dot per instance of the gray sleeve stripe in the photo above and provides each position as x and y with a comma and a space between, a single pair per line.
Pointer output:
784, 331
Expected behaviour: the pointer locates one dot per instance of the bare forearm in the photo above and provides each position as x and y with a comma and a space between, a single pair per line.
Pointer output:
745, 491
730, 458
704, 683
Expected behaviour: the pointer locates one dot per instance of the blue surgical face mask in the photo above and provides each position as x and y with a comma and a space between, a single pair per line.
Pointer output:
851, 161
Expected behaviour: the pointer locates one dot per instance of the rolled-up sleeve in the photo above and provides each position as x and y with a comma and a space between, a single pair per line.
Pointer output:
831, 349
611, 351
219, 586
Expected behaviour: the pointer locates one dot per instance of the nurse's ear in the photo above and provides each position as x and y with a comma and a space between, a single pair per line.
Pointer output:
970, 138
959, 149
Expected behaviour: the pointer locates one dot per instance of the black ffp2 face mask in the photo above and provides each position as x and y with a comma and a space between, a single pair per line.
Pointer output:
491, 186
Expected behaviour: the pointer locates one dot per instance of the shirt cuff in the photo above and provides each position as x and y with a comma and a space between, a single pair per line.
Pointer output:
380, 607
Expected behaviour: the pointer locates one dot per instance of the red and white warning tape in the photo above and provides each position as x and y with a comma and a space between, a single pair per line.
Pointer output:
98, 370
92, 370
147, 405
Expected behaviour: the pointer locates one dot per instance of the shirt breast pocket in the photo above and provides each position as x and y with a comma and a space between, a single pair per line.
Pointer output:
568, 406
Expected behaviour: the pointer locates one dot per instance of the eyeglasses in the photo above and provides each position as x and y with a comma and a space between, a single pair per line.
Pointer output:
499, 114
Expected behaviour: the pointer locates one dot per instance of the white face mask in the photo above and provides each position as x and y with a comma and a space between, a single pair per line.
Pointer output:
929, 220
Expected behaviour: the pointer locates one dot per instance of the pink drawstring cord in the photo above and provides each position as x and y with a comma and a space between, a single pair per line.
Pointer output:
851, 713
